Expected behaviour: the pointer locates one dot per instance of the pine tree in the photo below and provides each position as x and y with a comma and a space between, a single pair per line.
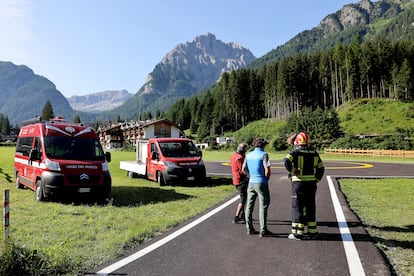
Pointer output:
47, 112
5, 125
158, 114
77, 119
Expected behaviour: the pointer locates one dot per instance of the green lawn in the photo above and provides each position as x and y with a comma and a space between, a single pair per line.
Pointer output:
386, 209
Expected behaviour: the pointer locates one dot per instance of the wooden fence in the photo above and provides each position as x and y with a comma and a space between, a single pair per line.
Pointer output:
366, 152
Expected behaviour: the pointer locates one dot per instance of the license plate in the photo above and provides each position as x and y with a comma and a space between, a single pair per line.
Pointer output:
84, 190
190, 178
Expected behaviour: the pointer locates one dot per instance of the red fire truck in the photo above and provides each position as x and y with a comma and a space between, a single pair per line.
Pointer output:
58, 158
167, 161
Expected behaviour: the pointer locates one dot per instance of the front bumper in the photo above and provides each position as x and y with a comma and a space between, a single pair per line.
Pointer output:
57, 184
195, 174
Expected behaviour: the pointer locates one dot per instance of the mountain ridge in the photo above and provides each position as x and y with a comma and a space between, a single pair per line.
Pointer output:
185, 70
18, 84
100, 101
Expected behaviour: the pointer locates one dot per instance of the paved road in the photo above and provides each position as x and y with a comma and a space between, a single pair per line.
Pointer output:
212, 245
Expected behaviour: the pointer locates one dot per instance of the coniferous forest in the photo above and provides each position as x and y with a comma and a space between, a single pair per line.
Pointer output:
323, 80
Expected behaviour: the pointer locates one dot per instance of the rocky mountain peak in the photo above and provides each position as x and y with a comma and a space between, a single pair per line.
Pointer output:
199, 62
189, 68
366, 5
101, 101
211, 49
361, 13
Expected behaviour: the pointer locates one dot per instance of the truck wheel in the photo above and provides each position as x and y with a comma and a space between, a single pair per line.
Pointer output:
39, 191
18, 185
131, 174
160, 179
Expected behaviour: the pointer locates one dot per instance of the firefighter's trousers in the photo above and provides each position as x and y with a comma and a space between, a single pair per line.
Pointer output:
304, 207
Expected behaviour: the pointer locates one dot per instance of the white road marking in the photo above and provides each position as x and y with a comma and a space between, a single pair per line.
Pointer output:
352, 256
123, 262
354, 262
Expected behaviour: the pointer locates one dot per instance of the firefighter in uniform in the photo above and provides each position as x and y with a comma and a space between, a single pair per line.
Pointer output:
306, 169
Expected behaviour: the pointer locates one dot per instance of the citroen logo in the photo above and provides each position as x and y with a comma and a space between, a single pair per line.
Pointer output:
84, 176
70, 129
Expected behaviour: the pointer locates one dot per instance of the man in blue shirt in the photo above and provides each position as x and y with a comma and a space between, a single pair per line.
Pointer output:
257, 166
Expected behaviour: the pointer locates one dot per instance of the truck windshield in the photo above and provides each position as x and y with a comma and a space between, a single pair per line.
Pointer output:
179, 149
73, 148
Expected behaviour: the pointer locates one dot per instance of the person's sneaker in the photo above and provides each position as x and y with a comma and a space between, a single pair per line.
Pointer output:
238, 219
252, 231
265, 233
294, 237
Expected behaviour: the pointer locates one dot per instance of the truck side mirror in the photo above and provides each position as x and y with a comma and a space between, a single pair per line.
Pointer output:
108, 157
200, 153
154, 155
34, 154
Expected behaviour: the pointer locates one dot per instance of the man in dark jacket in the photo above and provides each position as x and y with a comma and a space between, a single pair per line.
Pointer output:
306, 169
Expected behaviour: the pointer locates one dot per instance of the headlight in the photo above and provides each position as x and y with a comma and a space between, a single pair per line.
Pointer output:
105, 167
53, 166
171, 164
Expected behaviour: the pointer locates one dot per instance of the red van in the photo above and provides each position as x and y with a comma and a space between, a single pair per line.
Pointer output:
57, 158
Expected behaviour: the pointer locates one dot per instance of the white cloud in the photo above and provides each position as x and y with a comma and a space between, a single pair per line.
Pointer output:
15, 30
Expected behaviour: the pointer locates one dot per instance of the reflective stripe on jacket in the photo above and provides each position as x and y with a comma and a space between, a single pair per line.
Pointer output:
304, 164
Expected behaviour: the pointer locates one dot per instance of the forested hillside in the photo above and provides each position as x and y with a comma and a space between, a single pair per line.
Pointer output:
375, 69
368, 19
374, 123
377, 117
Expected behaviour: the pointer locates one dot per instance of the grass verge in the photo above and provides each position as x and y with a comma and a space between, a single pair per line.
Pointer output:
73, 237
385, 207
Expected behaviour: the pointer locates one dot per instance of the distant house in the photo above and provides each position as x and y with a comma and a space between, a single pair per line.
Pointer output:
224, 140
127, 133
110, 136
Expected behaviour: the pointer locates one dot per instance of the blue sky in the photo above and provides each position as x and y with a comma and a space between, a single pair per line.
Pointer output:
89, 46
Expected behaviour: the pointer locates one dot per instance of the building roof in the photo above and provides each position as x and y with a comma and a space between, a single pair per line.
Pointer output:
138, 124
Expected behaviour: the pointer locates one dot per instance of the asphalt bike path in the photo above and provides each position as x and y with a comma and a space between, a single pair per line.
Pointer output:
210, 244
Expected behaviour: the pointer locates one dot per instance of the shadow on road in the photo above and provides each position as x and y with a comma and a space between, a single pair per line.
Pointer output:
323, 235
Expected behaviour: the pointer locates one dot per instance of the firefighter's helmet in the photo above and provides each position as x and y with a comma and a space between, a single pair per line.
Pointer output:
301, 139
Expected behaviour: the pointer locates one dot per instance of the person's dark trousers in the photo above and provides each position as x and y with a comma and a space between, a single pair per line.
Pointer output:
303, 199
